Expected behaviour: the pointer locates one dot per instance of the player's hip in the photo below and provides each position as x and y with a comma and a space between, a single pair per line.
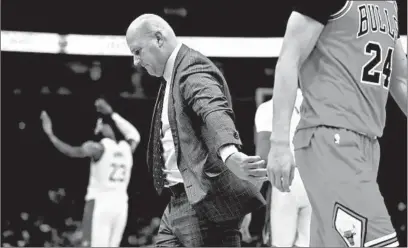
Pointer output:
364, 125
107, 196
335, 139
336, 155
106, 208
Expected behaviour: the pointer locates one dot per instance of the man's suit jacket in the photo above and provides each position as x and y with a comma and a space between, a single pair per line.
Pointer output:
202, 121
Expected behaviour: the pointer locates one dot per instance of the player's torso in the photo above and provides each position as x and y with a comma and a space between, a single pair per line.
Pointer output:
345, 80
111, 173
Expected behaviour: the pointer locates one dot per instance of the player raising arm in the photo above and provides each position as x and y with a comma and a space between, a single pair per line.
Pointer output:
106, 207
92, 149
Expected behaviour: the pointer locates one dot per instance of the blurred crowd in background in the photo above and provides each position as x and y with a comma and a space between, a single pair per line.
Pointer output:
58, 228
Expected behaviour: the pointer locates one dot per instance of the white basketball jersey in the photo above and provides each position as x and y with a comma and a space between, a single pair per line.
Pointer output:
111, 173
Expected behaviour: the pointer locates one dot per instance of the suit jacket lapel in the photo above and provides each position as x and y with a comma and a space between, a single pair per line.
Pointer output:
180, 55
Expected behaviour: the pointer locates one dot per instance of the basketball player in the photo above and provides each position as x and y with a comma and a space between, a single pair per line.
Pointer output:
347, 57
106, 206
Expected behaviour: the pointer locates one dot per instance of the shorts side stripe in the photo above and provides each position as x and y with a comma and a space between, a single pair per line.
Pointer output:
382, 241
395, 244
387, 242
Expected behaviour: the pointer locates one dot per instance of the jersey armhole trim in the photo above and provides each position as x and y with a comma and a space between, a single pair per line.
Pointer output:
396, 6
346, 8
396, 11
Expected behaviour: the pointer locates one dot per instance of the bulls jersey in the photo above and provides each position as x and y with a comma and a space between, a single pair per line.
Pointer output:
346, 79
111, 173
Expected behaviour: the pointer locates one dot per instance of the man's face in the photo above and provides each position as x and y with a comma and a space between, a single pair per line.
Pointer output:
147, 51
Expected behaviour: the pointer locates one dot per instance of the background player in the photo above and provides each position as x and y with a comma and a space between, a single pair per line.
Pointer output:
290, 212
106, 206
347, 59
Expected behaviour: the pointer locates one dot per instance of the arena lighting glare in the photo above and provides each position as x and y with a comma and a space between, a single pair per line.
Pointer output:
115, 45
30, 42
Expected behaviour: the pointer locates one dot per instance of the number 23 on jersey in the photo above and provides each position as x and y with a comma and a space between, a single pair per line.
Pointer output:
118, 173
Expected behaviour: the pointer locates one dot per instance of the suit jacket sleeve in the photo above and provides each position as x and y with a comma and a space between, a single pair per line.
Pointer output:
205, 95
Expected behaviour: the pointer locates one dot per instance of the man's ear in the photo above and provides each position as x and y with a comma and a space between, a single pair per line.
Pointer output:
159, 38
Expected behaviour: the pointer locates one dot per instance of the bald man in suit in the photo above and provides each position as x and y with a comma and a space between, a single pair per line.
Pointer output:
193, 150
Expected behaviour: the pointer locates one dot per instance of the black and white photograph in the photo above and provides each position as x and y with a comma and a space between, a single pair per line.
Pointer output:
204, 123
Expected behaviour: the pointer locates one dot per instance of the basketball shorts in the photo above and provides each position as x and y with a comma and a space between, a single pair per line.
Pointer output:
339, 170
290, 216
104, 221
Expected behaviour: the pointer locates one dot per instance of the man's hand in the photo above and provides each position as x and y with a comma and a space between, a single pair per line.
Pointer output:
250, 168
46, 123
103, 107
281, 166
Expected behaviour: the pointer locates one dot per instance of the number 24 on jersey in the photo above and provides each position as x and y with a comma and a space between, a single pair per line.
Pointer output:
369, 74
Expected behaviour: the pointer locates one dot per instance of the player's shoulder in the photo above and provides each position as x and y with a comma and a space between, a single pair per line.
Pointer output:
321, 12
125, 144
91, 145
263, 113
265, 107
108, 144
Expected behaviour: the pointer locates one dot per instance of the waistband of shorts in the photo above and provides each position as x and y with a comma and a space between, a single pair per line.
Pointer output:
373, 138
107, 194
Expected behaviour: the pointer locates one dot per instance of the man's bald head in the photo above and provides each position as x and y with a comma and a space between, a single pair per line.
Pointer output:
151, 41
149, 24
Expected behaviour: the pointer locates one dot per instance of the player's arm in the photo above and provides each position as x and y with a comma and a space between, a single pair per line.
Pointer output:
303, 29
128, 130
70, 151
301, 35
398, 87
88, 149
262, 146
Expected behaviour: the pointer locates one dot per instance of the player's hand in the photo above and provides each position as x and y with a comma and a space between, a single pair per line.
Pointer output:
46, 123
103, 107
281, 166
250, 168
